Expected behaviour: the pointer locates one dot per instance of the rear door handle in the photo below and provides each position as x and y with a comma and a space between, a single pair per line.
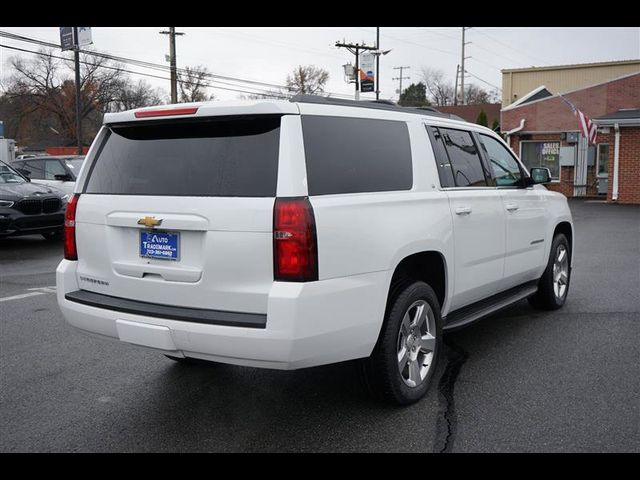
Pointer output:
463, 210
512, 207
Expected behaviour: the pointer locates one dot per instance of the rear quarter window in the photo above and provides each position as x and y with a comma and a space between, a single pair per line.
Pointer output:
211, 157
352, 155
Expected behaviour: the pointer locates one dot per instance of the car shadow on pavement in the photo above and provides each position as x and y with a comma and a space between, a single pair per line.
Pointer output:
30, 243
220, 407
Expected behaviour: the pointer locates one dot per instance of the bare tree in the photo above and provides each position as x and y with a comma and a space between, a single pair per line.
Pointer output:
137, 95
440, 91
44, 87
193, 84
475, 95
269, 94
307, 80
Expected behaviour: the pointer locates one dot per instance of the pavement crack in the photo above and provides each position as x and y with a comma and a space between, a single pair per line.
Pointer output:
447, 422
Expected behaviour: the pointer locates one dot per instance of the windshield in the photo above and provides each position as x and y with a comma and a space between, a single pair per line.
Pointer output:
225, 157
9, 175
74, 165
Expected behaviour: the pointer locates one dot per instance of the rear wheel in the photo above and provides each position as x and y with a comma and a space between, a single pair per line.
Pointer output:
403, 362
553, 286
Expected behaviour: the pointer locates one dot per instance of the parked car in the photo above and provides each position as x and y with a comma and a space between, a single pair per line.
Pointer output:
56, 171
292, 234
27, 208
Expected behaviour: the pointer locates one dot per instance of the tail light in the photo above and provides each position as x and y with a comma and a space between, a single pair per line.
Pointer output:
70, 250
295, 248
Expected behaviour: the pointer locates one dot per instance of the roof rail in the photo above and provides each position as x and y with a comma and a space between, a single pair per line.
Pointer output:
376, 104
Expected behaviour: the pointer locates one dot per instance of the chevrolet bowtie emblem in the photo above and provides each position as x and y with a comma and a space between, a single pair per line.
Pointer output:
150, 222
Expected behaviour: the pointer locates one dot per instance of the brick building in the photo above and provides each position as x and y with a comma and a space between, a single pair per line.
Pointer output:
517, 82
542, 129
470, 113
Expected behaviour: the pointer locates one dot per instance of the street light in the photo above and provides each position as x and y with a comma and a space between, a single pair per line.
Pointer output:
377, 54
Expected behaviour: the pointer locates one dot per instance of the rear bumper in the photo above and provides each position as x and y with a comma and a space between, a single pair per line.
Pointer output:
307, 324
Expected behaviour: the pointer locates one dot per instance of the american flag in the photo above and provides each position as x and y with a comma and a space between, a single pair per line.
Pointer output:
588, 128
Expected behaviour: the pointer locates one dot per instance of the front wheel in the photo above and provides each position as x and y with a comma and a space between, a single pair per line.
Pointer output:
553, 286
403, 362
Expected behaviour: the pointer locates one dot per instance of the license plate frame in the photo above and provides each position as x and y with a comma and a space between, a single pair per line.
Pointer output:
172, 241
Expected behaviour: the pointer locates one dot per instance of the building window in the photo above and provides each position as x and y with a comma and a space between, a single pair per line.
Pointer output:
603, 160
542, 154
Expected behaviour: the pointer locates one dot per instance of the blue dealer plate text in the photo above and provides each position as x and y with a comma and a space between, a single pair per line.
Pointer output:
161, 245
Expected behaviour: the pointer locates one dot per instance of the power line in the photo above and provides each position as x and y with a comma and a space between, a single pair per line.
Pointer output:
355, 50
155, 66
207, 85
511, 47
414, 43
490, 84
140, 63
280, 44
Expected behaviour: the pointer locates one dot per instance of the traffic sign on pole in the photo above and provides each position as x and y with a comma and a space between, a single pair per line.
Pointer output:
66, 38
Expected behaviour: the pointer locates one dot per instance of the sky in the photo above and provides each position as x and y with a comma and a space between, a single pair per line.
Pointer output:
268, 54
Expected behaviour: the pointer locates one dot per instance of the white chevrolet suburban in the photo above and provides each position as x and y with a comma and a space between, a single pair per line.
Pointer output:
289, 234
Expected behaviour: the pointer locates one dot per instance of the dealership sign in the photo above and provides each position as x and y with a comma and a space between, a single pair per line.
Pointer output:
367, 77
68, 40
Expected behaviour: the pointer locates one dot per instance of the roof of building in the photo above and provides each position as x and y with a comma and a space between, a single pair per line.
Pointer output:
624, 113
624, 116
535, 94
573, 65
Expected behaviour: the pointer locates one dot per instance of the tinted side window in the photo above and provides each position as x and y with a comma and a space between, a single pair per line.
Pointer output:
505, 168
465, 158
442, 159
53, 168
35, 169
349, 155
235, 156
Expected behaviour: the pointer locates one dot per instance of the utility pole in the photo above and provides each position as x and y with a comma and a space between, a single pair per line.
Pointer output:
172, 59
462, 70
400, 78
355, 49
455, 90
378, 63
76, 58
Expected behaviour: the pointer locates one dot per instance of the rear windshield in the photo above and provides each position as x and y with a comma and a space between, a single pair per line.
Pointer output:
234, 157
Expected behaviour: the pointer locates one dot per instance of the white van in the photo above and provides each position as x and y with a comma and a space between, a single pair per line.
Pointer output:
288, 234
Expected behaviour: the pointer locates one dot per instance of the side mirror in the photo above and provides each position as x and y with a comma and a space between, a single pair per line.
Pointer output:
65, 177
540, 175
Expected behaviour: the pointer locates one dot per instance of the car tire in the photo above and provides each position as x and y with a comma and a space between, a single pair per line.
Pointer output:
53, 236
403, 362
553, 285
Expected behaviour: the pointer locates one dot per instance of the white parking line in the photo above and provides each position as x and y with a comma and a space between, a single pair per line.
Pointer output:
33, 292
44, 289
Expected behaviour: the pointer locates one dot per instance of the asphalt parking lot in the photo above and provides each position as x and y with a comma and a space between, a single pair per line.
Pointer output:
521, 380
